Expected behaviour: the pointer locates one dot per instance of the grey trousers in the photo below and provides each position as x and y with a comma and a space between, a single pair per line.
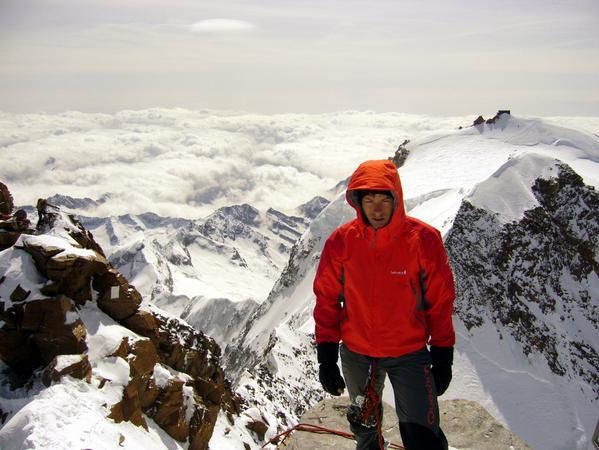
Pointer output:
414, 392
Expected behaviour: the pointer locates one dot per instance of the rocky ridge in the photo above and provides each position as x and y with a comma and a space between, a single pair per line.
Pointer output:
465, 423
51, 281
535, 278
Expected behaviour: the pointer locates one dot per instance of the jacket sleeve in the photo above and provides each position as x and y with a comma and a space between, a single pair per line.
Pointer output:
438, 289
328, 289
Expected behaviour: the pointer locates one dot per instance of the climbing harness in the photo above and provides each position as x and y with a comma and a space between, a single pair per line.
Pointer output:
365, 410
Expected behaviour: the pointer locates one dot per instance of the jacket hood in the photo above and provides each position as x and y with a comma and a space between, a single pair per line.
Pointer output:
377, 175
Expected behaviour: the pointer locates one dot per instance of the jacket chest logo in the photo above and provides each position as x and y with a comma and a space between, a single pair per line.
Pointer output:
401, 273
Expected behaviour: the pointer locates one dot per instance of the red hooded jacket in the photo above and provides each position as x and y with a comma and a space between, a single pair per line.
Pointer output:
385, 292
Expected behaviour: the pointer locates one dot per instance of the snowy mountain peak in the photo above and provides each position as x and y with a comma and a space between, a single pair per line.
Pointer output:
530, 132
312, 208
508, 191
532, 282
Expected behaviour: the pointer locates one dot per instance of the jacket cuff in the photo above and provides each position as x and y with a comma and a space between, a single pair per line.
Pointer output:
327, 352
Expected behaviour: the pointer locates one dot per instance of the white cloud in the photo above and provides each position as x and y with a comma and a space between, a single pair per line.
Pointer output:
187, 163
178, 162
220, 25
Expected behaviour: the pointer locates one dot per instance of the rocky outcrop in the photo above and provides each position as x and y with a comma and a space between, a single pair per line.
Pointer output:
466, 425
175, 376
535, 277
12, 223
481, 120
313, 207
76, 366
6, 200
401, 154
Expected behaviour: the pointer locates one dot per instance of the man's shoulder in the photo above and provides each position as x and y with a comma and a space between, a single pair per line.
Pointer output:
420, 225
421, 229
341, 233
346, 227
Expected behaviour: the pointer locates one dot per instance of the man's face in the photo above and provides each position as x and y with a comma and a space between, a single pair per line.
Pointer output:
378, 209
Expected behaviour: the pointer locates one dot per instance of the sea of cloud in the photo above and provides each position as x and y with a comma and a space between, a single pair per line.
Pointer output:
185, 163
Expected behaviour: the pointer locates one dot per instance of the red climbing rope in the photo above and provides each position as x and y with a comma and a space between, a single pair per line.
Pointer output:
320, 430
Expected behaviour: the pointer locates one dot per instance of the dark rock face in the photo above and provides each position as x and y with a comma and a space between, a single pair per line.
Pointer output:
401, 154
481, 120
43, 329
36, 331
313, 208
240, 357
6, 200
12, 223
77, 367
230, 222
535, 277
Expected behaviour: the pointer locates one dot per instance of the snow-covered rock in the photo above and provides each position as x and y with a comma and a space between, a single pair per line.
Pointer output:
73, 330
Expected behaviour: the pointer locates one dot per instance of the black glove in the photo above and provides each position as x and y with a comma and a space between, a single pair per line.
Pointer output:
328, 374
442, 360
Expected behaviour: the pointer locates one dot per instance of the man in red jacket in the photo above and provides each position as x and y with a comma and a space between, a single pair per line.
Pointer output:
384, 289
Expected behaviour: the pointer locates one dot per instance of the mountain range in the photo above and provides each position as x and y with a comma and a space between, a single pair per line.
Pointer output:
516, 202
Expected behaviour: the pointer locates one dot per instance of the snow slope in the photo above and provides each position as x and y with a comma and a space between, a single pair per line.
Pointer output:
492, 165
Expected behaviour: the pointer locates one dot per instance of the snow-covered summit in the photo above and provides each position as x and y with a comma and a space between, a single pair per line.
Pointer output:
507, 192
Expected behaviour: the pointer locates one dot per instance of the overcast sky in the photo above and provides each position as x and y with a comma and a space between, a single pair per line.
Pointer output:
439, 57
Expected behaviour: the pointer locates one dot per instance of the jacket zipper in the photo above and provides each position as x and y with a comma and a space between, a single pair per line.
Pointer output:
373, 241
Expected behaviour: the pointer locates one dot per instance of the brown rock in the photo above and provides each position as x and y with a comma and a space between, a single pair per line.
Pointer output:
78, 367
8, 239
6, 200
143, 323
69, 274
45, 320
202, 427
19, 294
123, 349
468, 425
169, 410
72, 275
48, 215
129, 408
45, 313
210, 391
117, 297
148, 394
144, 358
259, 427
34, 332
18, 349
